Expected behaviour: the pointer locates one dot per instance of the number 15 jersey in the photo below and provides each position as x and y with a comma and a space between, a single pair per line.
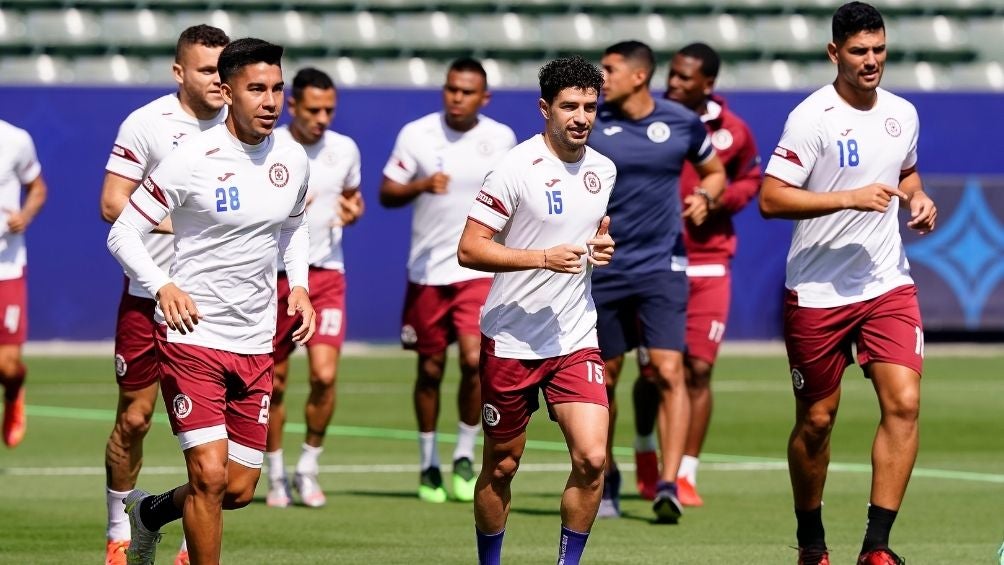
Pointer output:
827, 145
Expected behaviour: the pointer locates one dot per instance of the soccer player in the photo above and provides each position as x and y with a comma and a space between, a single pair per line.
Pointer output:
534, 223
846, 162
438, 163
334, 201
710, 246
236, 196
148, 135
19, 170
641, 299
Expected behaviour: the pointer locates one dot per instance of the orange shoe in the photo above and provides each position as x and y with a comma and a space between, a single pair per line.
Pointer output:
182, 558
115, 552
14, 421
688, 493
646, 472
882, 556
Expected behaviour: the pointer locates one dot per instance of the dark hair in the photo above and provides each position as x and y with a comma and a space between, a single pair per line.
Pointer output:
635, 51
853, 18
201, 34
468, 65
568, 72
247, 51
310, 76
710, 61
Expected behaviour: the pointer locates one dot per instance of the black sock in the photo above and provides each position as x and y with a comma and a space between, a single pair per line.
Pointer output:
156, 511
879, 523
810, 528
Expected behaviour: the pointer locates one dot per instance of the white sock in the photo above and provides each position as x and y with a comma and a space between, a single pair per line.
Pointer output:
276, 471
466, 436
184, 543
118, 520
688, 469
645, 443
307, 465
427, 452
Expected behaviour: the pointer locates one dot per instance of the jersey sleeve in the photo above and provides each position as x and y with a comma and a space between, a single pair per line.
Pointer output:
700, 149
165, 189
797, 151
130, 154
496, 201
743, 171
354, 177
294, 239
402, 165
911, 155
26, 163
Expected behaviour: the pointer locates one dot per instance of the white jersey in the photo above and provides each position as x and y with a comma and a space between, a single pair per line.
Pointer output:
827, 145
146, 136
230, 204
18, 167
427, 146
536, 201
334, 167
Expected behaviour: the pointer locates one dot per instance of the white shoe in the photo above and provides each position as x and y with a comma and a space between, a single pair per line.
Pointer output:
309, 489
278, 493
143, 547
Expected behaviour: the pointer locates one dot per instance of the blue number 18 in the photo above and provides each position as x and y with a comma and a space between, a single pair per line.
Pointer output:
852, 153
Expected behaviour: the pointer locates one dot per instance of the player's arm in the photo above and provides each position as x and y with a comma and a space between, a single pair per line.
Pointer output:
35, 195
395, 194
115, 193
779, 199
697, 206
923, 212
351, 206
294, 247
744, 181
478, 250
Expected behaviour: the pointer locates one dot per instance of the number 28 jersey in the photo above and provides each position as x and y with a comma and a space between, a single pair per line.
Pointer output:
827, 145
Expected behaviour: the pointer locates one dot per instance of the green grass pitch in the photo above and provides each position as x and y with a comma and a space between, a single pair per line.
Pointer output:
52, 486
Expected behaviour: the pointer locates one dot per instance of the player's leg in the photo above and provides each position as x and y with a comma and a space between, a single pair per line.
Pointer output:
493, 494
13, 332
320, 407
466, 314
279, 495
646, 396
616, 332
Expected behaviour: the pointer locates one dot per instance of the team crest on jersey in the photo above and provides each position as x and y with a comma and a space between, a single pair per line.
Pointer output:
892, 127
722, 139
592, 182
182, 406
491, 415
120, 365
485, 148
658, 132
409, 336
279, 175
330, 158
797, 380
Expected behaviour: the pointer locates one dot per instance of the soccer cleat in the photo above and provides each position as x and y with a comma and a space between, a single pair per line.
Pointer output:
143, 547
115, 552
1000, 554
464, 479
646, 471
430, 486
182, 558
610, 503
14, 421
667, 506
688, 493
310, 490
813, 556
278, 493
880, 556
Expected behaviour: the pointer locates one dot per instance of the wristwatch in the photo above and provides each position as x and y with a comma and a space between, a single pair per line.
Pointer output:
710, 200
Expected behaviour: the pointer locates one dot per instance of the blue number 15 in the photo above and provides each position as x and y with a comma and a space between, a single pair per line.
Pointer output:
554, 205
222, 201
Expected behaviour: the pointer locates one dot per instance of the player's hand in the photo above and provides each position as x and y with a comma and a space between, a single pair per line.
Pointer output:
16, 221
564, 258
696, 209
602, 245
874, 197
350, 207
180, 312
299, 301
923, 213
436, 184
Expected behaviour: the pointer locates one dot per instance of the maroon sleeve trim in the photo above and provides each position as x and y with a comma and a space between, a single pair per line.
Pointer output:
492, 202
121, 176
142, 213
477, 221
125, 153
155, 191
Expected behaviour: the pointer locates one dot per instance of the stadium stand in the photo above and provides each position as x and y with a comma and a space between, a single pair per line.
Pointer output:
768, 44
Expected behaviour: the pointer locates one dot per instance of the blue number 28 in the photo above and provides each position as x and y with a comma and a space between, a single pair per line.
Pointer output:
221, 199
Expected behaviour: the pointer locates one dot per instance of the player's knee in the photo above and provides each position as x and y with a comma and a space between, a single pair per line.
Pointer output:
469, 362
322, 378
671, 374
817, 424
699, 376
903, 406
238, 499
588, 466
505, 469
278, 387
134, 423
429, 381
11, 367
209, 479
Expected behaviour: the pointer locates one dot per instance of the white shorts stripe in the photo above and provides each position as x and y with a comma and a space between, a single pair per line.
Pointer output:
201, 436
244, 455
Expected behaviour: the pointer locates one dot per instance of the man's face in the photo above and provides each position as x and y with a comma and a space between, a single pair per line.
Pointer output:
254, 94
196, 75
312, 113
570, 117
621, 77
464, 94
860, 59
686, 83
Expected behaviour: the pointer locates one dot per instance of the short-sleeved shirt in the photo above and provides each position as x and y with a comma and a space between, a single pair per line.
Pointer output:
18, 167
827, 145
427, 146
334, 167
533, 200
645, 214
146, 136
228, 202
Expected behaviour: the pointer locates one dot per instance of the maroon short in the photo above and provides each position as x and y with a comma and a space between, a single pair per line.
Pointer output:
204, 387
14, 308
707, 313
135, 331
327, 296
509, 387
435, 315
886, 329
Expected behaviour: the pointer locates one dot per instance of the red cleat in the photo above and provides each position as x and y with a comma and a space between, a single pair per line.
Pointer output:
14, 421
813, 556
881, 556
646, 473
687, 493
